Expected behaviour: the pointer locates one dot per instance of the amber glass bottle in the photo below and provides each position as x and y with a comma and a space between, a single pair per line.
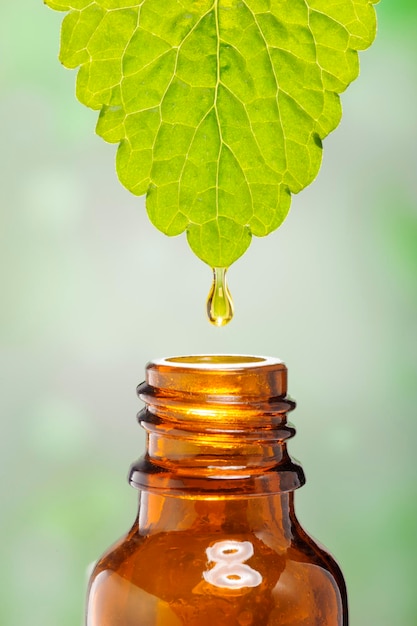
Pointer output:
216, 541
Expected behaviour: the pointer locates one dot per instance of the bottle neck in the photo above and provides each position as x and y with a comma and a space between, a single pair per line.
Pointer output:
216, 428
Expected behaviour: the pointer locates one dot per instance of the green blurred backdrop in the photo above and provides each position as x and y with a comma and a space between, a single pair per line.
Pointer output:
90, 292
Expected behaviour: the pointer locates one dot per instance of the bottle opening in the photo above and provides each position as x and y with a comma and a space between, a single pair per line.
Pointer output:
214, 360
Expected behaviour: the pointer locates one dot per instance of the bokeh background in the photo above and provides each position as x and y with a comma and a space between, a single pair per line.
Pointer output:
90, 292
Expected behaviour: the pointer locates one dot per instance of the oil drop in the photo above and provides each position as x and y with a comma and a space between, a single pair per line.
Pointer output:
219, 300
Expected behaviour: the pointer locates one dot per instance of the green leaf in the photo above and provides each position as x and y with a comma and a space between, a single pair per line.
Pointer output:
219, 106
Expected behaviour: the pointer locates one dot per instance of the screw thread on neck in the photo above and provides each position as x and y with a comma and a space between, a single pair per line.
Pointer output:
216, 425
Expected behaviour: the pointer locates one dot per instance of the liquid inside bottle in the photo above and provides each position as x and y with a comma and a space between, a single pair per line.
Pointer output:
219, 301
216, 541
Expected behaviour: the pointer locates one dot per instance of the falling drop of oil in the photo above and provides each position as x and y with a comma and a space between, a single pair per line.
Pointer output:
219, 300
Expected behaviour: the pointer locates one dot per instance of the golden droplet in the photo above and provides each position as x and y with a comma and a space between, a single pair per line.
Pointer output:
219, 300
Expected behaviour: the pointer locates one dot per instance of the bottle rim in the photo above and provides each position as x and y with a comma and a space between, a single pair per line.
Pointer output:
215, 376
218, 361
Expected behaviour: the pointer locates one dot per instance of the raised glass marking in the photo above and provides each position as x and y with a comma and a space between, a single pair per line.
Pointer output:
230, 571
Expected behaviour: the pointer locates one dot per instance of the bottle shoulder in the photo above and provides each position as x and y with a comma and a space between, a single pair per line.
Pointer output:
305, 548
118, 553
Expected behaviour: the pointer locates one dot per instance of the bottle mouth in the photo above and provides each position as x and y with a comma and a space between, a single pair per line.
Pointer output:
219, 374
219, 361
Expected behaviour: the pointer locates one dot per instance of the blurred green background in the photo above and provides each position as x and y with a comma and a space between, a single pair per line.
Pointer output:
91, 292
